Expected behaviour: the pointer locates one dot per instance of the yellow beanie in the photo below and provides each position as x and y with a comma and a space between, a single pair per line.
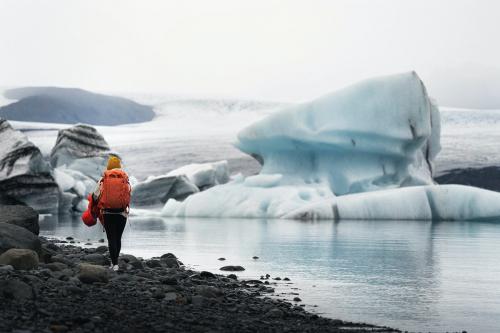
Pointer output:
114, 162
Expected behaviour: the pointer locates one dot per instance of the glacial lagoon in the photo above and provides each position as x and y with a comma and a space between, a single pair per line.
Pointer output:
412, 275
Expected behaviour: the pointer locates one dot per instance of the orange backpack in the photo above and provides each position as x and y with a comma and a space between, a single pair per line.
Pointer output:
115, 190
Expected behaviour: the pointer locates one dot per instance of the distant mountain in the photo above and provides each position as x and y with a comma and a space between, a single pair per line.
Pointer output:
71, 105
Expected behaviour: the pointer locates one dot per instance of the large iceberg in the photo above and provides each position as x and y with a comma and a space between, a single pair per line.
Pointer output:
364, 152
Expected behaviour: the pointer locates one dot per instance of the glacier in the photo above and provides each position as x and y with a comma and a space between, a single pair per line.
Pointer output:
364, 152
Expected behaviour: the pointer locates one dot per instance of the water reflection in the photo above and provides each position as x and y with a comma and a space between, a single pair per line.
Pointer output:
414, 275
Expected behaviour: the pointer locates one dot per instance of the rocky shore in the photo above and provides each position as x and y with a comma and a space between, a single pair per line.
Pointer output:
50, 285
70, 289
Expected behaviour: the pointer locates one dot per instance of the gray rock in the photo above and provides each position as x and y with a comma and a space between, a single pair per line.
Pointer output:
92, 273
158, 294
168, 255
197, 300
20, 259
22, 216
207, 275
274, 313
153, 263
232, 268
6, 268
128, 258
62, 259
55, 266
170, 296
297, 299
16, 290
171, 281
96, 259
15, 237
170, 262
137, 264
101, 249
209, 291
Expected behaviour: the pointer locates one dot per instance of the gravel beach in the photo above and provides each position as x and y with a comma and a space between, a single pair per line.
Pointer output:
67, 288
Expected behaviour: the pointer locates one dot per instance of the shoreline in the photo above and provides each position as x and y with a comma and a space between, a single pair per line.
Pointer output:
73, 290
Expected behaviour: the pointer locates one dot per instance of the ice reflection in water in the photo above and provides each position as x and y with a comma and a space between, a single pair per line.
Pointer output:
413, 275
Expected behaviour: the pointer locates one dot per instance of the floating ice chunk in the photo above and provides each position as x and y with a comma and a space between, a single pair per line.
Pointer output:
156, 190
377, 134
445, 202
204, 175
237, 199
64, 180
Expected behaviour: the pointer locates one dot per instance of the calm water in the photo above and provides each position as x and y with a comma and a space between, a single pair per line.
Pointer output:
413, 275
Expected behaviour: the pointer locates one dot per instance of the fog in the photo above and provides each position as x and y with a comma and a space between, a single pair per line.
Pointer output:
271, 50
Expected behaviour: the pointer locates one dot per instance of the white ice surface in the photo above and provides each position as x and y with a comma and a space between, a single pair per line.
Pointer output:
204, 175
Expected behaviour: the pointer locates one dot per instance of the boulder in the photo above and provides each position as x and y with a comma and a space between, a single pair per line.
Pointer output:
21, 259
96, 259
22, 216
15, 237
232, 268
208, 291
92, 273
157, 190
15, 290
24, 174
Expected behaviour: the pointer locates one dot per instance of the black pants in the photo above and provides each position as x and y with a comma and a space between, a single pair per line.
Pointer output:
114, 225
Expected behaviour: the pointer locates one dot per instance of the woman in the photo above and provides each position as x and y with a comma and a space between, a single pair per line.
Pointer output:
112, 196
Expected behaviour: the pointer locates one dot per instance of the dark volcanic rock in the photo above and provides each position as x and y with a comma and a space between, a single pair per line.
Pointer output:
13, 236
70, 106
92, 273
96, 259
20, 259
24, 175
232, 268
16, 290
22, 216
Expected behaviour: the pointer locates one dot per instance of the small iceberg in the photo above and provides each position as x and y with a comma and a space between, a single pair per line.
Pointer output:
364, 152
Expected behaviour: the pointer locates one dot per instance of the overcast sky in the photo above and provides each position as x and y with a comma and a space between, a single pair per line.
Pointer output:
275, 50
